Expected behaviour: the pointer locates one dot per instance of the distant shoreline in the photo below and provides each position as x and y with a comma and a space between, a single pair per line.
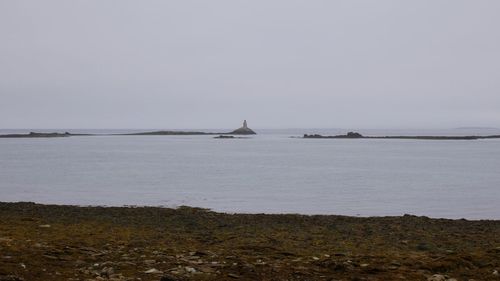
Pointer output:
350, 135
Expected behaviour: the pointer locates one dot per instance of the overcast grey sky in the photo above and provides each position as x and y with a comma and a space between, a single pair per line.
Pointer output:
279, 64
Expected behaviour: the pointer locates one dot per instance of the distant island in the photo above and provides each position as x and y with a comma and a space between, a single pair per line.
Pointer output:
355, 135
244, 130
41, 135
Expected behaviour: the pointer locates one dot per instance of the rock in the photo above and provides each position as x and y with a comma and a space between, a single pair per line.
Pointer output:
354, 135
169, 277
495, 272
10, 278
149, 261
232, 275
207, 269
44, 226
190, 269
107, 271
244, 130
224, 137
437, 277
153, 271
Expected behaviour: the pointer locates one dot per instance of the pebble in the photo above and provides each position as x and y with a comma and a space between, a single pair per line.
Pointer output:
153, 271
169, 278
437, 277
10, 278
107, 271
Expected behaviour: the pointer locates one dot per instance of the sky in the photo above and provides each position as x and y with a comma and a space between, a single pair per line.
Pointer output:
277, 63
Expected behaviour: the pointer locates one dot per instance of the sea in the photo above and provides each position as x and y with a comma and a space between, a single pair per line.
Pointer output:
274, 171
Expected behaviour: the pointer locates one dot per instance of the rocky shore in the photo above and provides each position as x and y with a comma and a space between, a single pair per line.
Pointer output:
49, 242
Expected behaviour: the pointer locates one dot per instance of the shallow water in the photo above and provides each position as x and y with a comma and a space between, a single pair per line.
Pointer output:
267, 173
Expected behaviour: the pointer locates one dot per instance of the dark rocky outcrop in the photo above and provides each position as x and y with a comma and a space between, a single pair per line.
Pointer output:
350, 135
355, 135
37, 135
170, 133
244, 130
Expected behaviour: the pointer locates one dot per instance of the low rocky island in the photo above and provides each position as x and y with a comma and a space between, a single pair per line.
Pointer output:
244, 130
169, 133
355, 135
56, 243
40, 135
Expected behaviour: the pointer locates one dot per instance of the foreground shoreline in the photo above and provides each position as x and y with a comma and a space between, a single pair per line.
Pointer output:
55, 242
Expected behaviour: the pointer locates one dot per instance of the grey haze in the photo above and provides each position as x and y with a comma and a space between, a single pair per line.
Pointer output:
279, 64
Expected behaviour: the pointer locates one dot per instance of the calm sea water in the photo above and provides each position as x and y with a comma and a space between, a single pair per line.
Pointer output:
267, 173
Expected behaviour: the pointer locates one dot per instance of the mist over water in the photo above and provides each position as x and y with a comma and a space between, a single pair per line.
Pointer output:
267, 173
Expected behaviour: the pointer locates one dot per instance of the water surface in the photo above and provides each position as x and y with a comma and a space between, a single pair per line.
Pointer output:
267, 173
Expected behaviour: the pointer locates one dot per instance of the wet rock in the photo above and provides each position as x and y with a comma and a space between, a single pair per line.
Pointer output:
207, 269
169, 277
107, 272
153, 271
437, 277
10, 278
